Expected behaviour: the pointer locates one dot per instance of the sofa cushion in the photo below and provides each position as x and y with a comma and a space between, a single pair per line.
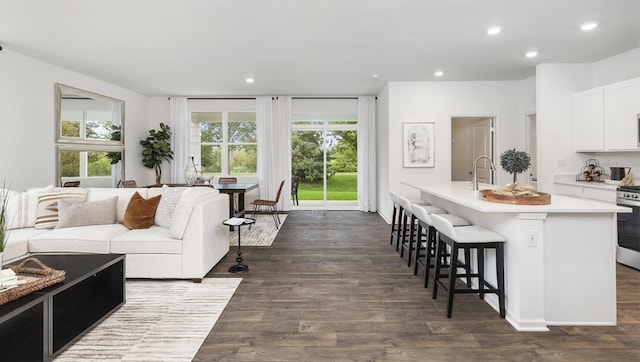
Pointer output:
47, 217
140, 212
82, 239
155, 240
167, 206
98, 212
18, 242
184, 208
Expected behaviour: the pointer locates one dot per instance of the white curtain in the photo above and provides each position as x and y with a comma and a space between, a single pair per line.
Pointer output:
180, 130
273, 118
367, 153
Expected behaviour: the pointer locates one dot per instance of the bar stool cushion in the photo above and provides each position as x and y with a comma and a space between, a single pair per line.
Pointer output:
394, 197
423, 213
406, 204
465, 234
455, 220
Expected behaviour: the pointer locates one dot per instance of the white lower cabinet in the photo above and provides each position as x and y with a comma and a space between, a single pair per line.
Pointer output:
569, 190
586, 192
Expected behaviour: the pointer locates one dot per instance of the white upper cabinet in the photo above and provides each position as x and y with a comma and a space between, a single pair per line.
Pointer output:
588, 120
606, 118
621, 109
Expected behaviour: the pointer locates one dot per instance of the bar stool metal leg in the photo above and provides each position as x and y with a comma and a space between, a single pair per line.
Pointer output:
394, 229
500, 275
453, 267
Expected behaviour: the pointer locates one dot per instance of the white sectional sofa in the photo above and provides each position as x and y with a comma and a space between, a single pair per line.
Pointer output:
195, 241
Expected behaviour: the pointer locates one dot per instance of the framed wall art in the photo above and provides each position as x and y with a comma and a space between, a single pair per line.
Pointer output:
417, 144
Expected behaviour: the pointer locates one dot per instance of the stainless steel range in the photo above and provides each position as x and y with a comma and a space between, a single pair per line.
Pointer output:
629, 226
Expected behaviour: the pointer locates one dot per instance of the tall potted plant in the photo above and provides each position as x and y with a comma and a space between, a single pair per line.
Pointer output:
157, 148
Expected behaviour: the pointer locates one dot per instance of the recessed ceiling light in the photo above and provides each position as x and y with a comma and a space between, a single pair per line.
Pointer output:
249, 80
494, 30
374, 75
439, 73
589, 26
531, 54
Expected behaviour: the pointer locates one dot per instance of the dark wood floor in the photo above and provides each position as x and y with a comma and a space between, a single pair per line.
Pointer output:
331, 288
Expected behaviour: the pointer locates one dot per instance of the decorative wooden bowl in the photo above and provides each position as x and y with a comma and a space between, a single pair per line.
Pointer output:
540, 198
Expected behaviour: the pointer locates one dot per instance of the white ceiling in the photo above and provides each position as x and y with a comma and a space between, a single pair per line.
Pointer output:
310, 47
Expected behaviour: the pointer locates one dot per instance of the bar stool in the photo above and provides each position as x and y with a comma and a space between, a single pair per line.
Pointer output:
408, 244
402, 228
429, 244
467, 238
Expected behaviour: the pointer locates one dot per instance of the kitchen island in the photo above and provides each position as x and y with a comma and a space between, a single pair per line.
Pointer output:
560, 259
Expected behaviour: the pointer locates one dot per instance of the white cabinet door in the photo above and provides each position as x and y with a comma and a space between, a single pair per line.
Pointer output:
588, 120
621, 109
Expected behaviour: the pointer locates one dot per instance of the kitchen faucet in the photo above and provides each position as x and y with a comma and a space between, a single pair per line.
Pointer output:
474, 182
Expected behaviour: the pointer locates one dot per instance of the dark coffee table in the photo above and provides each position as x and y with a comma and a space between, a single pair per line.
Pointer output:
41, 325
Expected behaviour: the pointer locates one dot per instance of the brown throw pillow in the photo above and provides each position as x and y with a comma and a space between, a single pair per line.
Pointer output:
140, 212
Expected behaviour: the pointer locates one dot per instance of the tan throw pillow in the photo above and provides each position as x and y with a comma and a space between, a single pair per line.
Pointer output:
47, 217
98, 212
140, 212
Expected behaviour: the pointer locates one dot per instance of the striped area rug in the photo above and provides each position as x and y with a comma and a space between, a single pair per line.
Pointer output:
161, 321
261, 233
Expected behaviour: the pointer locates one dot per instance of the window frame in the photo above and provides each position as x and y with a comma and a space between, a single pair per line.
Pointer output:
82, 144
197, 144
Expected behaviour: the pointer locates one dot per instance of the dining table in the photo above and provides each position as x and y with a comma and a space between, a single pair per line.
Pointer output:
232, 190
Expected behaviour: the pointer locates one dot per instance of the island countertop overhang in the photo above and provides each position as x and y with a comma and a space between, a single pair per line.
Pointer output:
460, 192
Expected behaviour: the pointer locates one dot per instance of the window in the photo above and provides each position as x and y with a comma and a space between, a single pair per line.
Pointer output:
225, 142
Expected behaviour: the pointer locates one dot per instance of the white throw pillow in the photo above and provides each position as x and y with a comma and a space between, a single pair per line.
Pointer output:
167, 206
22, 207
99, 212
47, 217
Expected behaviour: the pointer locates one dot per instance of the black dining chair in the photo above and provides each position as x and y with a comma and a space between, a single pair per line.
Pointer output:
294, 189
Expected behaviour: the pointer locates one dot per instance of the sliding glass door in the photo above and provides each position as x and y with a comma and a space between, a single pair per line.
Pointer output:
324, 158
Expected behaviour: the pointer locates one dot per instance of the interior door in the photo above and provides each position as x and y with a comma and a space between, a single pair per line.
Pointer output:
481, 140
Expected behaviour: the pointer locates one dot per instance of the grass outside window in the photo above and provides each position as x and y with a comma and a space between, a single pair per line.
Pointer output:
342, 186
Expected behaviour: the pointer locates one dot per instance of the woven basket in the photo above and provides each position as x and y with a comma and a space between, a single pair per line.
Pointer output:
44, 275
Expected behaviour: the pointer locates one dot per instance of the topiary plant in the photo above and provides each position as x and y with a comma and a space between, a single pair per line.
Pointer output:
157, 148
515, 162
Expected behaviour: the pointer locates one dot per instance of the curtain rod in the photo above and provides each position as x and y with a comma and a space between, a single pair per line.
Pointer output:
274, 97
303, 97
221, 98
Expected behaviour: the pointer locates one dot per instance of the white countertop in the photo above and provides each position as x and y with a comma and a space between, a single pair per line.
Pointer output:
571, 180
461, 193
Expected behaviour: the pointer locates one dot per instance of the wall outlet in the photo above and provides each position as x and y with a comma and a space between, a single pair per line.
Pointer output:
561, 163
532, 238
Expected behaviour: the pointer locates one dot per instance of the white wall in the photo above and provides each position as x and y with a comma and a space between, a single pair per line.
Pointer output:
555, 85
617, 68
27, 153
437, 102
